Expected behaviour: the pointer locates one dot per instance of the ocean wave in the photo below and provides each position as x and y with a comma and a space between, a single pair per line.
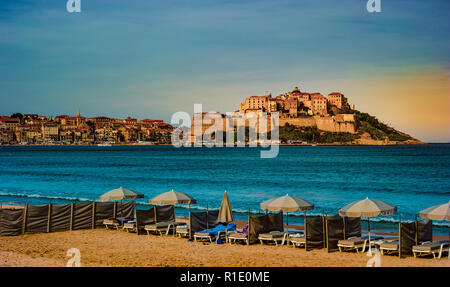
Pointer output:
49, 197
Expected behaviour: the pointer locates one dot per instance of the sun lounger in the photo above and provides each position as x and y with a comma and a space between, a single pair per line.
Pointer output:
357, 242
115, 223
297, 238
435, 248
389, 247
111, 223
162, 227
129, 226
182, 230
352, 243
273, 236
214, 233
239, 235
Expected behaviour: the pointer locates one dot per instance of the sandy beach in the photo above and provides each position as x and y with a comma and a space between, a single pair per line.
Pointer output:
100, 247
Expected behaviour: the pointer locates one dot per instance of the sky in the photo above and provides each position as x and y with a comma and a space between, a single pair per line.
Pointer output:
150, 59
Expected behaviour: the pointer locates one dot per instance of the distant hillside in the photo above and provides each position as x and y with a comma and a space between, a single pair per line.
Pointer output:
370, 131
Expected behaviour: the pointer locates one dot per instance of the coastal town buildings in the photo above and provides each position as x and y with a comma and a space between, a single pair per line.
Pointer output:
33, 128
295, 104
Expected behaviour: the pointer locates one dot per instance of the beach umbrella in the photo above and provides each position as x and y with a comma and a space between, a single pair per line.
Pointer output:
120, 194
437, 212
225, 213
287, 204
173, 197
368, 208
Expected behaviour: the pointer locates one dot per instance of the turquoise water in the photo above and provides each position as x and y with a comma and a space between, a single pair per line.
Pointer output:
411, 177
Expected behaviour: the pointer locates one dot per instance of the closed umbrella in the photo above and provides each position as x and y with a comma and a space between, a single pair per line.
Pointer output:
368, 208
120, 194
225, 213
286, 204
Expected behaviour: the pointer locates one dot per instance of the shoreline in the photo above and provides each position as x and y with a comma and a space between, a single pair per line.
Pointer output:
283, 144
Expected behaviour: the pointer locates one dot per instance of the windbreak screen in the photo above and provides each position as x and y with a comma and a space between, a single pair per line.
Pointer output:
264, 224
103, 210
125, 209
11, 222
82, 216
143, 218
37, 218
407, 238
314, 233
203, 220
335, 232
165, 213
60, 217
352, 227
424, 231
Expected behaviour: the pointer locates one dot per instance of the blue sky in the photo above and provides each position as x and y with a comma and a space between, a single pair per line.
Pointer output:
149, 59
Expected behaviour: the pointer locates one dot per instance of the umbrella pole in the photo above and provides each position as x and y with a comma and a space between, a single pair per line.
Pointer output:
370, 243
248, 228
287, 227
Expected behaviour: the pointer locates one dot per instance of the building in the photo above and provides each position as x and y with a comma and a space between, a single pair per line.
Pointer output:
50, 132
337, 99
9, 123
291, 106
254, 103
319, 104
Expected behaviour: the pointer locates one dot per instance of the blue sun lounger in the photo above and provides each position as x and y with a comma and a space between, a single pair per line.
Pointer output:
214, 233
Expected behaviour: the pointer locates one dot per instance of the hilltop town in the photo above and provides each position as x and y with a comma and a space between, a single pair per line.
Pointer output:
314, 118
65, 129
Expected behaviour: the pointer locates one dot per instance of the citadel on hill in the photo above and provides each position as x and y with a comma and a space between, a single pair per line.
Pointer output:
333, 114
311, 118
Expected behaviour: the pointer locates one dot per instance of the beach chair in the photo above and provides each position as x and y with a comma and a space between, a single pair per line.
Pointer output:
129, 226
435, 248
352, 243
111, 223
239, 235
115, 223
273, 236
214, 233
163, 228
297, 239
388, 247
355, 243
182, 230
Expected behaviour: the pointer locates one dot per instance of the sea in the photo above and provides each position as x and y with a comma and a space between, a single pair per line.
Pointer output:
410, 177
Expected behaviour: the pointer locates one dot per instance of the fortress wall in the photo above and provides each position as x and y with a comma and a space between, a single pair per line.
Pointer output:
299, 122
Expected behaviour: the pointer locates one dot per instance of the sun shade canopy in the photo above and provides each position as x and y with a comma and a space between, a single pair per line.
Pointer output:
368, 208
287, 203
121, 193
437, 212
172, 197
